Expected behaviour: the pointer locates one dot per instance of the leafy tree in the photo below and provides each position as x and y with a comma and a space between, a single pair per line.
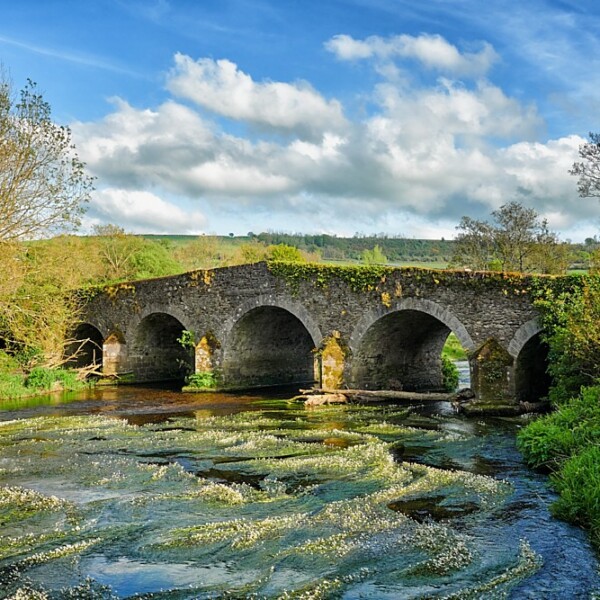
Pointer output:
588, 170
474, 244
516, 240
571, 318
374, 256
253, 251
285, 252
43, 190
43, 184
116, 249
126, 256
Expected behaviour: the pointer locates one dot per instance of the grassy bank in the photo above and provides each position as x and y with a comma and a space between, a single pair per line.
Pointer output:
18, 383
567, 442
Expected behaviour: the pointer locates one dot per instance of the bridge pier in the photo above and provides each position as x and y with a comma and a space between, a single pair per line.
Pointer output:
492, 375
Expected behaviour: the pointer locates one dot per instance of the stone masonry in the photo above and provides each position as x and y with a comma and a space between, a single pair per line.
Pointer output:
253, 327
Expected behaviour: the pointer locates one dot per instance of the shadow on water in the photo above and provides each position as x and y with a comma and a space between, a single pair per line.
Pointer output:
257, 458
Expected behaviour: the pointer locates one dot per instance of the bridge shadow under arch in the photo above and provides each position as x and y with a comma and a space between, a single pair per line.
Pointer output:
154, 352
268, 345
532, 381
85, 349
401, 348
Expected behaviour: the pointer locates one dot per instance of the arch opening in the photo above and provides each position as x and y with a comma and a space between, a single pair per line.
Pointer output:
156, 353
85, 348
268, 346
456, 354
532, 381
401, 350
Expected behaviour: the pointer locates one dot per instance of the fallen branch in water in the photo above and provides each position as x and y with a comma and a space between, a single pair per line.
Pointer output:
376, 395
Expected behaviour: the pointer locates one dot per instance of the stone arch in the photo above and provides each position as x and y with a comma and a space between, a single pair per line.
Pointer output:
400, 347
153, 350
523, 335
269, 341
172, 311
530, 353
85, 349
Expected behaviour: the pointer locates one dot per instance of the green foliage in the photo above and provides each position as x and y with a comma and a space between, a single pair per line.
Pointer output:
187, 339
15, 383
283, 252
570, 314
516, 240
204, 380
12, 385
568, 442
41, 378
578, 483
453, 349
374, 256
151, 259
395, 248
358, 278
449, 374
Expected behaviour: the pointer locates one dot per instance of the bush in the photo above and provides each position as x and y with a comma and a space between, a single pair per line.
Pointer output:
449, 374
12, 386
578, 483
206, 379
568, 443
551, 440
40, 378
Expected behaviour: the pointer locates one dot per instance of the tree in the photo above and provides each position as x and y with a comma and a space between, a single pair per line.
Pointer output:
43, 190
374, 256
285, 253
516, 240
588, 170
474, 244
515, 234
43, 184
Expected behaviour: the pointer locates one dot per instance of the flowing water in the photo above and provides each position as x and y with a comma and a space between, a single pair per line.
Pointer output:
140, 492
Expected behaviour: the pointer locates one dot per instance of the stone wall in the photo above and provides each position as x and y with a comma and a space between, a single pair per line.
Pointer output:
256, 325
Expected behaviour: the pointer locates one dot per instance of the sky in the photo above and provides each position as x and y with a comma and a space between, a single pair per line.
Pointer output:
317, 116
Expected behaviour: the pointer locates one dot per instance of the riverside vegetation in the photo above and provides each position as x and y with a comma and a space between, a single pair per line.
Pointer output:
567, 441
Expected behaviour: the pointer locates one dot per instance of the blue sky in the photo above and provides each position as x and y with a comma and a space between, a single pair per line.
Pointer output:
339, 116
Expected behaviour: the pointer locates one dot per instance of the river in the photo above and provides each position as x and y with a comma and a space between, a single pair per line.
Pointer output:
144, 492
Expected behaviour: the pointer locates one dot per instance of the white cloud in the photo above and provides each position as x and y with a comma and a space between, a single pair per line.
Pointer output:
222, 88
432, 51
423, 156
143, 212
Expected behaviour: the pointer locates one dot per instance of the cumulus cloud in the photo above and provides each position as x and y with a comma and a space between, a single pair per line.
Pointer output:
222, 88
143, 212
422, 155
432, 51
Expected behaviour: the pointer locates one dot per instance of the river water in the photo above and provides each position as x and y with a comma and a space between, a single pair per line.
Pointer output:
144, 492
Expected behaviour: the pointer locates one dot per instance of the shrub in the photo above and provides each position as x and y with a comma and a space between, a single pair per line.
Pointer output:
578, 483
206, 379
449, 374
40, 378
568, 442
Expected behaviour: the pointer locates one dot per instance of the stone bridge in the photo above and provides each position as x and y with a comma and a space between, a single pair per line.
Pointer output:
359, 327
